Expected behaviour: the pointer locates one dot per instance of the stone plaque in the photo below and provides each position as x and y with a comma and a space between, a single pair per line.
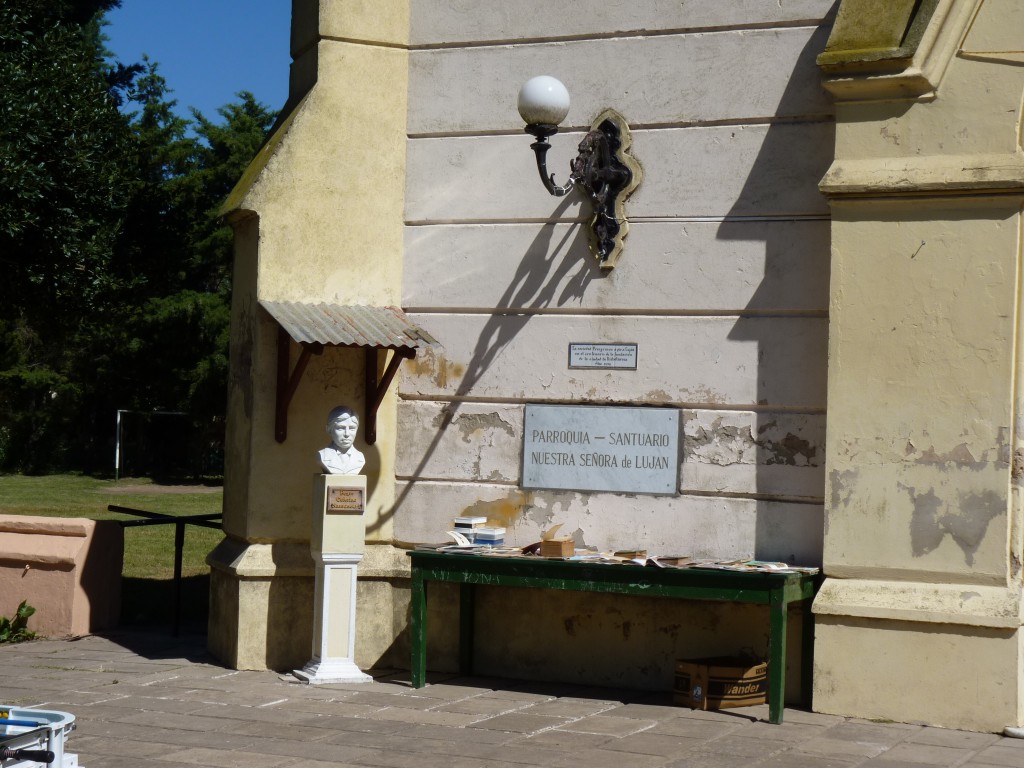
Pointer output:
615, 356
601, 448
345, 500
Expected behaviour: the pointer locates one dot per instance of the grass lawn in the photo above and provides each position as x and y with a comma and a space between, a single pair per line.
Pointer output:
148, 550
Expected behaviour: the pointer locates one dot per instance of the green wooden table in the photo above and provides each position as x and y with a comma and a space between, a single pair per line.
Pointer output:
776, 590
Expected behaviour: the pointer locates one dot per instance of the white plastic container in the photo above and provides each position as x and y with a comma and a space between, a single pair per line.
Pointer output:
36, 729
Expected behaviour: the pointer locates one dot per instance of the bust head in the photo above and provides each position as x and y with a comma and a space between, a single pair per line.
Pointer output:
341, 457
342, 426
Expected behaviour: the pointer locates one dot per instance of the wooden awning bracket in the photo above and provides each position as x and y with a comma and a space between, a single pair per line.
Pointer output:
288, 380
376, 390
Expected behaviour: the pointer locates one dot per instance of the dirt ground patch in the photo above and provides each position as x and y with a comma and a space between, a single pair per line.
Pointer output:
150, 489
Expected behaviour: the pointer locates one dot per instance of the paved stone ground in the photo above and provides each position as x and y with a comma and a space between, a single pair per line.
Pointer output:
147, 700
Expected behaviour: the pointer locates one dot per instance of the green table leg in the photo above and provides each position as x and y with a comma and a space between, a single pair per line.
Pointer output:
418, 629
466, 629
777, 657
807, 656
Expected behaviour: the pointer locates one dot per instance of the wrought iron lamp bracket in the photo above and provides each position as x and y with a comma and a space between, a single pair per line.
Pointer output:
604, 172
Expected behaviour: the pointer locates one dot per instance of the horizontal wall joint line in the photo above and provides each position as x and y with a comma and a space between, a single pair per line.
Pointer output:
692, 405
633, 220
811, 314
777, 498
768, 26
895, 195
726, 122
754, 496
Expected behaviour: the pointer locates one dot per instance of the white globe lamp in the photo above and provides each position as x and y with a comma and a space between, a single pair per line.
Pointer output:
543, 100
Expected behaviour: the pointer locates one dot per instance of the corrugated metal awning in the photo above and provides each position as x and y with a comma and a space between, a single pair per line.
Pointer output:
315, 326
348, 325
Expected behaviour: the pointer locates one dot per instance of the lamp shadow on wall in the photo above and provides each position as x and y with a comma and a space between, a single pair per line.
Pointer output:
543, 279
787, 317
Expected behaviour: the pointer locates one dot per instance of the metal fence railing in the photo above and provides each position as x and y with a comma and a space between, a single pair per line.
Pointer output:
211, 520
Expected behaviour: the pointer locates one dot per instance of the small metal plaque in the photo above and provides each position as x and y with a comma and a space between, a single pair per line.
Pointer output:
601, 448
345, 500
615, 356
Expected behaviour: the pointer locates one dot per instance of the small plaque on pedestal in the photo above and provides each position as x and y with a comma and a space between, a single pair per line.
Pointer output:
339, 502
348, 500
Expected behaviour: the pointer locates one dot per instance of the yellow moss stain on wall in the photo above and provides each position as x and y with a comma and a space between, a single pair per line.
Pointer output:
437, 368
504, 512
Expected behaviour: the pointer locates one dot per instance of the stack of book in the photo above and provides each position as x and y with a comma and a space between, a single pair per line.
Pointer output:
467, 525
491, 535
476, 531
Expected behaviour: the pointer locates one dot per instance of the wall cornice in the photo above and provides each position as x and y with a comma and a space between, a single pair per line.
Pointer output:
886, 49
947, 174
956, 604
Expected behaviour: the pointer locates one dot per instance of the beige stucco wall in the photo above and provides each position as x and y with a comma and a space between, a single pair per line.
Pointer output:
723, 283
920, 617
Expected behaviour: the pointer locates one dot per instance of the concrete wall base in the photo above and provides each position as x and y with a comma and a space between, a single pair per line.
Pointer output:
382, 608
954, 676
261, 605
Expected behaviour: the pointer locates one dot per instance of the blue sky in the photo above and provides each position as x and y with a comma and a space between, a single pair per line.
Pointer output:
208, 50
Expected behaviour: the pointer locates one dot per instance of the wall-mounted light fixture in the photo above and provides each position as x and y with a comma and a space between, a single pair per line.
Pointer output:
603, 170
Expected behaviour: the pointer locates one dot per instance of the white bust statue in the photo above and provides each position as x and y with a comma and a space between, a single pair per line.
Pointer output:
341, 456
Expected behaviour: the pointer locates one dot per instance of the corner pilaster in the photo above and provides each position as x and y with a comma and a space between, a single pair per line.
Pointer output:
920, 611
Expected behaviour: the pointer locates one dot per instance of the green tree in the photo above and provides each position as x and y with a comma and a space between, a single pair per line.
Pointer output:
117, 266
63, 193
178, 327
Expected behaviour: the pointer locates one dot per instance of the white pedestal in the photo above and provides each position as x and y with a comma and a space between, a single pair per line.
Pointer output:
338, 506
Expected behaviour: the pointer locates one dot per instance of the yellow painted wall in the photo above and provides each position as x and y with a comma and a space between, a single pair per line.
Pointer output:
923, 325
318, 218
920, 617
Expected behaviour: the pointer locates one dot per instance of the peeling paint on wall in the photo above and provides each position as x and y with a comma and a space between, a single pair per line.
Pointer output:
658, 396
1017, 470
966, 521
704, 395
472, 425
791, 450
723, 443
842, 483
959, 456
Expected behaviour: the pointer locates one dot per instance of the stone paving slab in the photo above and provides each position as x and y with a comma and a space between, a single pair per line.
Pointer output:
150, 701
518, 722
608, 725
568, 740
570, 709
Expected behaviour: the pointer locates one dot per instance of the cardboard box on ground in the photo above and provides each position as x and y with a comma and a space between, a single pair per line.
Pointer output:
720, 683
